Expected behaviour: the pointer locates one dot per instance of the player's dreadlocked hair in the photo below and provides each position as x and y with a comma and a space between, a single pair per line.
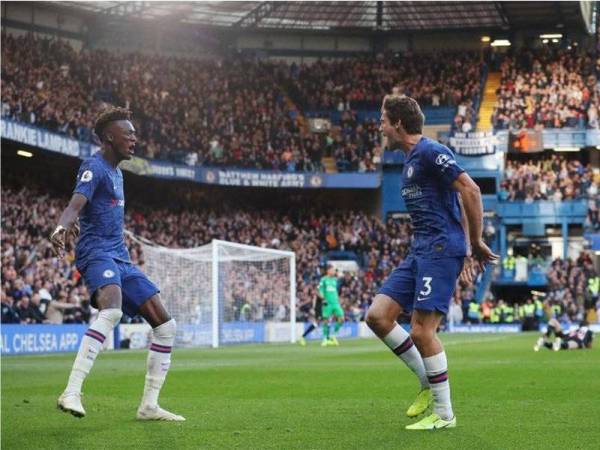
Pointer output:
109, 115
405, 110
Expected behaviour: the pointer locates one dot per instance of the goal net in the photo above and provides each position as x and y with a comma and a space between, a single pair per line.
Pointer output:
223, 292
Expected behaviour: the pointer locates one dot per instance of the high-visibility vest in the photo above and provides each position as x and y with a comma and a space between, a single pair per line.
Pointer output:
528, 310
539, 308
509, 314
473, 310
594, 285
509, 263
556, 310
495, 316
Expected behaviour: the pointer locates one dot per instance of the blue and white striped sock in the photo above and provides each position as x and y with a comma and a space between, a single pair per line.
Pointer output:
158, 362
90, 346
437, 373
400, 342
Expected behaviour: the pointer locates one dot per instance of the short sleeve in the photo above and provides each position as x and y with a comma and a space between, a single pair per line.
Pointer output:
443, 165
88, 178
322, 286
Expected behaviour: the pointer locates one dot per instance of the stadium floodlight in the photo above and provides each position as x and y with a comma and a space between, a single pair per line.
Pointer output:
485, 39
500, 43
224, 292
24, 153
566, 149
545, 41
551, 36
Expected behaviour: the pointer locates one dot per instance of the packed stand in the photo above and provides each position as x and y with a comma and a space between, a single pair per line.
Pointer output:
572, 288
547, 88
572, 296
37, 287
552, 178
440, 79
355, 145
436, 80
229, 112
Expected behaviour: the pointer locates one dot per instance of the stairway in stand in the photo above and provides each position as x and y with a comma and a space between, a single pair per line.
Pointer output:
329, 164
489, 100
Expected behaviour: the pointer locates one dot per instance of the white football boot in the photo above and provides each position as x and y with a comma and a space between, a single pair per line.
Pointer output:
71, 402
146, 412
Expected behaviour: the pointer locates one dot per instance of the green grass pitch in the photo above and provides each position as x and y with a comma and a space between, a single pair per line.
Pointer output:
288, 397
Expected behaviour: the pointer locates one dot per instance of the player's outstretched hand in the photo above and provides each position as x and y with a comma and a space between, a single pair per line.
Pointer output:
483, 255
57, 239
468, 272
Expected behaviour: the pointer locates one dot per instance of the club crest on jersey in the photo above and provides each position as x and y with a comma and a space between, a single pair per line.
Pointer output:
108, 273
87, 176
410, 171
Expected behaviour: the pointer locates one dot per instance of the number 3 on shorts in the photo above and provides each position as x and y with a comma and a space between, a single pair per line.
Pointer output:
427, 284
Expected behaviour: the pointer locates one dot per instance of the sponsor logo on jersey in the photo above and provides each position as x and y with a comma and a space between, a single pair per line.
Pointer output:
108, 273
87, 176
412, 191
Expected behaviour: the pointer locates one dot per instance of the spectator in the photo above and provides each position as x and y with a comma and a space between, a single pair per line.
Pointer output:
9, 313
547, 88
567, 284
550, 178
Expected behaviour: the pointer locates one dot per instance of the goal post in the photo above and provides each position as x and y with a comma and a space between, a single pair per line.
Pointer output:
225, 292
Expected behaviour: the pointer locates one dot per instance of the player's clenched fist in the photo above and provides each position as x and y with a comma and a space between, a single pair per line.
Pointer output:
58, 238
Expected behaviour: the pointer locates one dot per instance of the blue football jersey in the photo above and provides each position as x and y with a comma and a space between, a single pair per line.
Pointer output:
102, 218
427, 176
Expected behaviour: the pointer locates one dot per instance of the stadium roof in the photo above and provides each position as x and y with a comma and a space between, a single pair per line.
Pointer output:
396, 16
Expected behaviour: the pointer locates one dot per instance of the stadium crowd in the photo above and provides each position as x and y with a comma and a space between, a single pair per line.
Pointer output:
441, 79
34, 279
551, 178
547, 88
572, 288
230, 112
572, 296
214, 112
39, 288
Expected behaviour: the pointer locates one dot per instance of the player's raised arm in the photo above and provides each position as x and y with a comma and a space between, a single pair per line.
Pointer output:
68, 222
473, 209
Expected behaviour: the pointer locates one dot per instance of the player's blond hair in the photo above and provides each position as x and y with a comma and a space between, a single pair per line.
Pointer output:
107, 116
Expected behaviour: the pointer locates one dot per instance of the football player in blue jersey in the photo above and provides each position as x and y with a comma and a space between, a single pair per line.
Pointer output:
115, 284
446, 210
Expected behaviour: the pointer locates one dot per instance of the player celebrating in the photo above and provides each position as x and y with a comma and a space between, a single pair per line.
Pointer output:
103, 260
328, 292
582, 337
446, 211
